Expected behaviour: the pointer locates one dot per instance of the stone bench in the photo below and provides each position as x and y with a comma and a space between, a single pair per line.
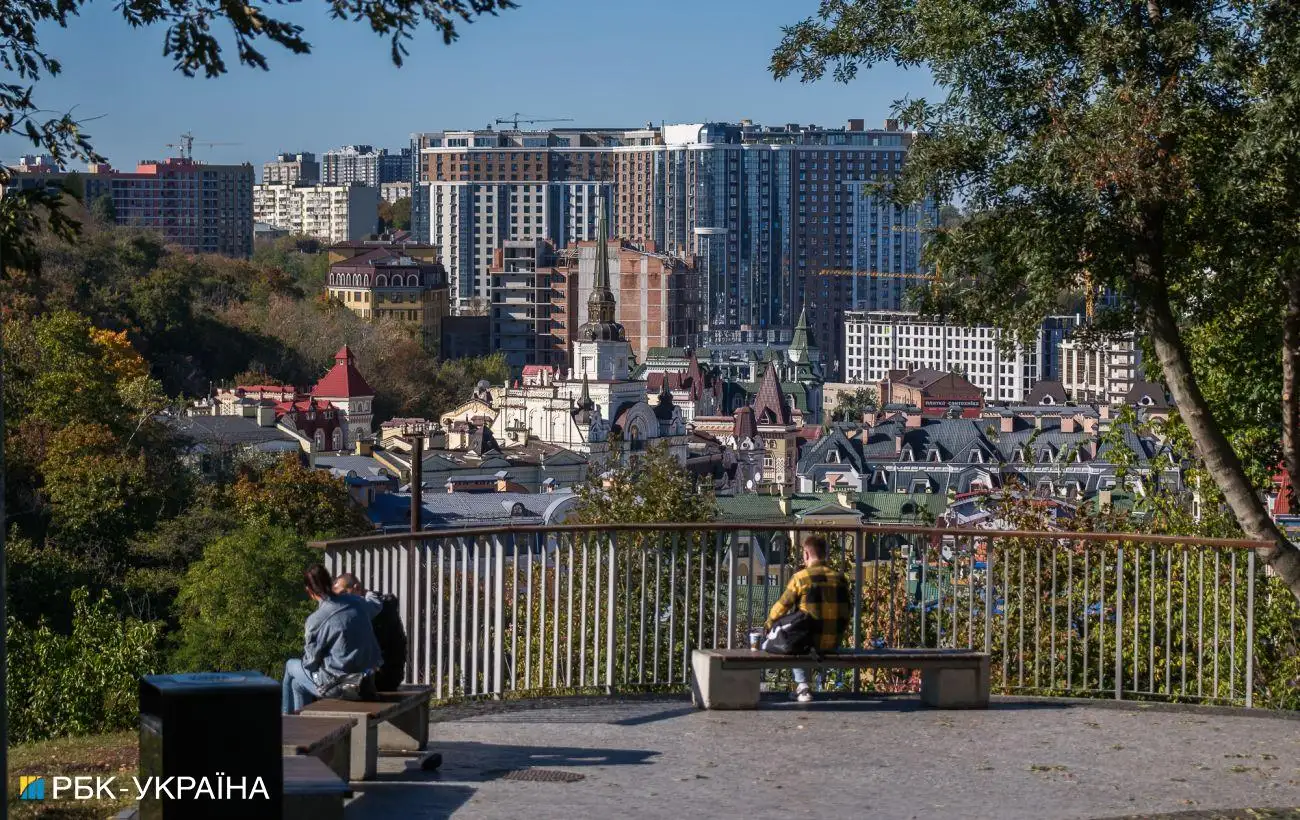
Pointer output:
327, 739
950, 678
405, 713
312, 791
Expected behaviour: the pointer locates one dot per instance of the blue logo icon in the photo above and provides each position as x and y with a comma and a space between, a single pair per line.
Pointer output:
32, 787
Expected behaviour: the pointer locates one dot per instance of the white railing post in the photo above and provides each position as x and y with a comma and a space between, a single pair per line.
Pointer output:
1250, 629
610, 591
498, 620
1119, 624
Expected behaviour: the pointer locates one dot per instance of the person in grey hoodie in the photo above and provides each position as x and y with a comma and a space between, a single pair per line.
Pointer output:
339, 642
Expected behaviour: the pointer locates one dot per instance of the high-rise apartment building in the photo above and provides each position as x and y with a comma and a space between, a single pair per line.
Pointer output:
291, 169
365, 164
877, 342
779, 217
195, 207
538, 294
330, 213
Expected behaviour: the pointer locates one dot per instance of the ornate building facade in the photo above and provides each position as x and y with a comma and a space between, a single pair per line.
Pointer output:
596, 407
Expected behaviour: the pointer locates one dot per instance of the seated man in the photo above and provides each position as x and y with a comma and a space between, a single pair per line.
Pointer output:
388, 628
821, 592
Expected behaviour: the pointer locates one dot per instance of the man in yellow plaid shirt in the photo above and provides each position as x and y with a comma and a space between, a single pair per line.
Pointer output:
821, 592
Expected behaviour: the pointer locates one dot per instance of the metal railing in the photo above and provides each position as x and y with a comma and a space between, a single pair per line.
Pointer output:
528, 611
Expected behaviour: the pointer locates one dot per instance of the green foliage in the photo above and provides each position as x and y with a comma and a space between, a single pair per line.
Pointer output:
242, 605
38, 579
395, 215
650, 487
302, 259
157, 559
103, 209
851, 406
309, 502
78, 683
1144, 150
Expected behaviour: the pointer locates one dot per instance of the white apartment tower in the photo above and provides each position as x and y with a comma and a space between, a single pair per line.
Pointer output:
330, 213
880, 341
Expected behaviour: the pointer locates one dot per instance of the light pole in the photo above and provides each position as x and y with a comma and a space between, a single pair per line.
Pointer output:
415, 432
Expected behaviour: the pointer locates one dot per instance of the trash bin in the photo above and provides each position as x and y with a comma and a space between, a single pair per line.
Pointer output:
210, 746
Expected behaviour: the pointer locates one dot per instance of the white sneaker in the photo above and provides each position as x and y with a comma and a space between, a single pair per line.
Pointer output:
803, 693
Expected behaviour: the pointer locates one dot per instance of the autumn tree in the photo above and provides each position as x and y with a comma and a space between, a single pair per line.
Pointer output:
395, 215
851, 406
304, 500
1107, 147
649, 488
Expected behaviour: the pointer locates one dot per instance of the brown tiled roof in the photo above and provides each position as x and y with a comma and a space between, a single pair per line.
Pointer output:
769, 404
745, 426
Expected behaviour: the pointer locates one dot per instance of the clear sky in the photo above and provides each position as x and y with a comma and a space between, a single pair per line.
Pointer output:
600, 62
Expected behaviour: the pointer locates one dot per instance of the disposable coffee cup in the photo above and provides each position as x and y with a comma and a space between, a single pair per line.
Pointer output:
755, 641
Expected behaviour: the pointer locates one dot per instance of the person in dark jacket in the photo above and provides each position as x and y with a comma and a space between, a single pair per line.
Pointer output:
338, 643
389, 631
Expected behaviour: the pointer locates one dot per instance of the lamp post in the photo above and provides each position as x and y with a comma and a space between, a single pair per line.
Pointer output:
415, 432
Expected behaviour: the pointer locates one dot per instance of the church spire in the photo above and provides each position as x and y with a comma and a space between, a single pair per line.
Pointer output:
601, 324
799, 342
583, 409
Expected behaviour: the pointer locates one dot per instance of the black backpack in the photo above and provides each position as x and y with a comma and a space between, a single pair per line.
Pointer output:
391, 638
791, 634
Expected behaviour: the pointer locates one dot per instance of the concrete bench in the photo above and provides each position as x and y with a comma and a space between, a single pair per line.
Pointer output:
312, 791
327, 739
950, 678
405, 713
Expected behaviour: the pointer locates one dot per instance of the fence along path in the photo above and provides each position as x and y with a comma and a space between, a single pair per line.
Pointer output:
550, 610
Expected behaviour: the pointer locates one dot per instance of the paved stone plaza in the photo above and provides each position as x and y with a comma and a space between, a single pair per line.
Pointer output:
843, 759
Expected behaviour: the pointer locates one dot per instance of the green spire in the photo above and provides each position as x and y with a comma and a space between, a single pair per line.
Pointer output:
801, 340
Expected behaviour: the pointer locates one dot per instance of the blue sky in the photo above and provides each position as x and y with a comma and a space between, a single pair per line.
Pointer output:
601, 62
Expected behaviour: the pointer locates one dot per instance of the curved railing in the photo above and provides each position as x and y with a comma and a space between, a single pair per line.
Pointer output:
527, 611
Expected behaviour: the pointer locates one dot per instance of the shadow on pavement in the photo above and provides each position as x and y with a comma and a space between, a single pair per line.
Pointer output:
655, 717
859, 703
406, 799
473, 762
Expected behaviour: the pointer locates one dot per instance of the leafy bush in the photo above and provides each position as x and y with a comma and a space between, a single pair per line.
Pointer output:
242, 605
83, 683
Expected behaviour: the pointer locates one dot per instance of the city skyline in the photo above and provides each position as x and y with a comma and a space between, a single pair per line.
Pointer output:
140, 106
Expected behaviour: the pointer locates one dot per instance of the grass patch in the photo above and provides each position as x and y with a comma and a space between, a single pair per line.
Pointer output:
112, 754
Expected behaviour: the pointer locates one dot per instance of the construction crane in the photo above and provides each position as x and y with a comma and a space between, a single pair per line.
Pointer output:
186, 144
513, 121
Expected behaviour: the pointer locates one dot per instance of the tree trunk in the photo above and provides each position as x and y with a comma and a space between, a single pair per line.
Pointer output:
1291, 385
1217, 454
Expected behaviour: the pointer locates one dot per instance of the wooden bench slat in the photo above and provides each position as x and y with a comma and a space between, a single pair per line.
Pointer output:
307, 735
371, 710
